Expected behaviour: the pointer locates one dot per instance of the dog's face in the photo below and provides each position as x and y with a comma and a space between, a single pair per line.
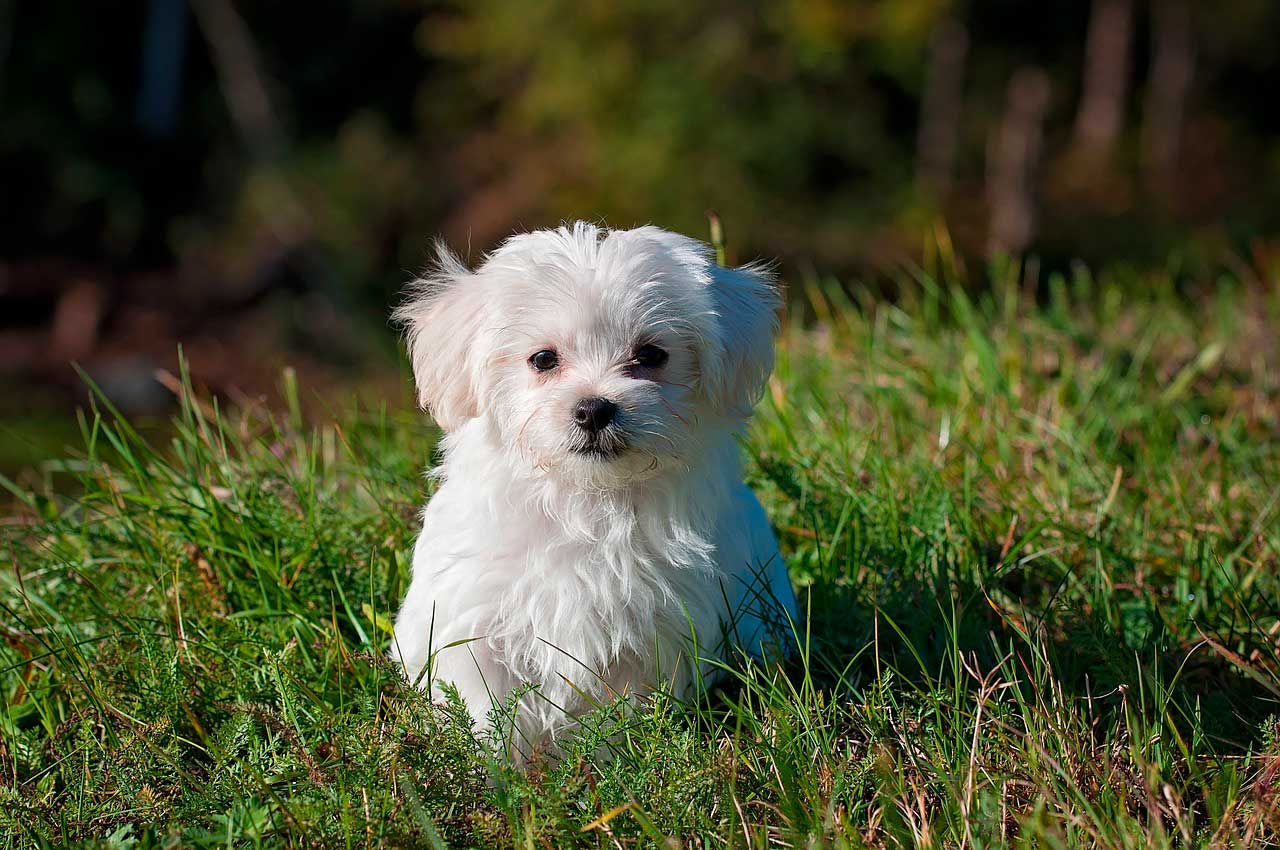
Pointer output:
596, 355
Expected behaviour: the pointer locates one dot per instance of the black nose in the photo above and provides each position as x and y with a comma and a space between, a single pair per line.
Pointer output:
594, 414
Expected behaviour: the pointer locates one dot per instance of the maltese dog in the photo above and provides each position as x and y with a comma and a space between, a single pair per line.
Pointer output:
591, 536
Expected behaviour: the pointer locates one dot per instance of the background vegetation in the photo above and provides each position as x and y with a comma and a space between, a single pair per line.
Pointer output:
826, 131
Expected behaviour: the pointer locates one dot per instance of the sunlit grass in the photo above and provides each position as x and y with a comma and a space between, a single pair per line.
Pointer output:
1038, 542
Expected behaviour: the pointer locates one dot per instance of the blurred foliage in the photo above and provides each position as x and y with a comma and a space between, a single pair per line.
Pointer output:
797, 121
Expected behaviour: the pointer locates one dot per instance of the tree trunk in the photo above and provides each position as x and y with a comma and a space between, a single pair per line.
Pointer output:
243, 86
1172, 68
1013, 161
1106, 76
940, 108
164, 42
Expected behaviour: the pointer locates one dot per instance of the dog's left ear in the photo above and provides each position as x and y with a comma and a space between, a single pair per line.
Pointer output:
739, 355
443, 318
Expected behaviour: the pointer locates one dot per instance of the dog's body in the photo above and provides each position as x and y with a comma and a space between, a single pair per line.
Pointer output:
591, 535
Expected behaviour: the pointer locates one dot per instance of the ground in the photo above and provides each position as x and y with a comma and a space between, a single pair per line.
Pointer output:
1036, 531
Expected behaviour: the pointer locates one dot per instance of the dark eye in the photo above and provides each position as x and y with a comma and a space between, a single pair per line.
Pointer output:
650, 356
544, 361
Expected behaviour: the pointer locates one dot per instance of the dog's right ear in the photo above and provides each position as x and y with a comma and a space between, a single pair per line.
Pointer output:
442, 318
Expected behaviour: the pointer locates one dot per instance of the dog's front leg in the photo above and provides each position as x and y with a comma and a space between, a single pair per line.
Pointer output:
519, 725
474, 671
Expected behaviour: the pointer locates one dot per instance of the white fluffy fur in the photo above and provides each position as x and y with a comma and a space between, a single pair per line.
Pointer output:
580, 575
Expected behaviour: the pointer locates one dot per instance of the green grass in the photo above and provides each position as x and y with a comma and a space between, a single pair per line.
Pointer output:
1038, 541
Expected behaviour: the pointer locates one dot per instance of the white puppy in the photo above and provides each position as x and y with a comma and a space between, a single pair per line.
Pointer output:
591, 535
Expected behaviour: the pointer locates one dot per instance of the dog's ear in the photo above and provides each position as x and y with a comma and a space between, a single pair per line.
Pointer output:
442, 318
736, 367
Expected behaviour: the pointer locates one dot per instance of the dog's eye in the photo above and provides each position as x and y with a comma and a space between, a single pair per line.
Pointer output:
544, 360
650, 356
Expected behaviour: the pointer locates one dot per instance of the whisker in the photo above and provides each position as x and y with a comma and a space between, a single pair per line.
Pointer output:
676, 384
672, 411
660, 435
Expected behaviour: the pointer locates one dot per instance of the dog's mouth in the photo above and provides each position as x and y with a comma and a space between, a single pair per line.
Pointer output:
597, 452
605, 446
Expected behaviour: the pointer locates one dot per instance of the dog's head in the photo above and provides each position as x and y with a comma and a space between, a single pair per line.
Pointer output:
601, 355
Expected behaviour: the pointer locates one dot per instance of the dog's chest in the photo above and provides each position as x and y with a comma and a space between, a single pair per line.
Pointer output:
602, 601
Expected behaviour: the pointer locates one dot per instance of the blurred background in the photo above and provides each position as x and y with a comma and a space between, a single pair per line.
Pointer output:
255, 181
